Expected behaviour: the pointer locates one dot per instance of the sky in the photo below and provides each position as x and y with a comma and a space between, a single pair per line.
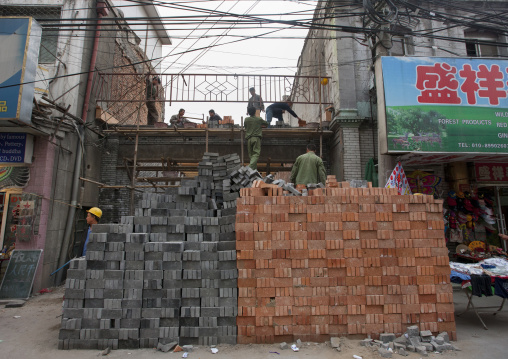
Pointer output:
259, 56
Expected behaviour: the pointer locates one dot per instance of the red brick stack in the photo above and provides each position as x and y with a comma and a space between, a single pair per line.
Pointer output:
342, 261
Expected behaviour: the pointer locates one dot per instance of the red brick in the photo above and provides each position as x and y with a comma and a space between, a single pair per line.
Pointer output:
265, 292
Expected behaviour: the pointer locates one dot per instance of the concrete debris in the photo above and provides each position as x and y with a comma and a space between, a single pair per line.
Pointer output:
412, 331
284, 345
366, 342
422, 342
387, 337
106, 351
402, 352
445, 337
384, 353
335, 342
166, 347
422, 350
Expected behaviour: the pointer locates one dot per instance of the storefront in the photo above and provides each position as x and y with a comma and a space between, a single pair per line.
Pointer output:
446, 121
17, 210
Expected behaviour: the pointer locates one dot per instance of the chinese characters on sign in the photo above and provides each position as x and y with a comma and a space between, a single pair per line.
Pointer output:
438, 83
491, 172
445, 105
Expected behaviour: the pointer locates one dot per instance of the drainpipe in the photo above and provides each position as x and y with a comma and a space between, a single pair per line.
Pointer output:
101, 11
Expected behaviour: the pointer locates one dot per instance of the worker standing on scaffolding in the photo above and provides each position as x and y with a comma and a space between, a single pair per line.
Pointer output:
151, 97
214, 120
253, 132
256, 101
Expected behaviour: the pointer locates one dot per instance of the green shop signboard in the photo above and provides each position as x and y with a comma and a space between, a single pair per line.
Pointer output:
446, 104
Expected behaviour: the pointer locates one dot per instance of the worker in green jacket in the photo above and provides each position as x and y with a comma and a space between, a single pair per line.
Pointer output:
308, 168
253, 134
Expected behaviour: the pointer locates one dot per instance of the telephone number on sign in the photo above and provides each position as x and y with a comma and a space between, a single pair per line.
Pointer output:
484, 145
496, 145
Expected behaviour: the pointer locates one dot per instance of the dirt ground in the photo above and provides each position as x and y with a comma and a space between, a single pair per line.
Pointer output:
31, 331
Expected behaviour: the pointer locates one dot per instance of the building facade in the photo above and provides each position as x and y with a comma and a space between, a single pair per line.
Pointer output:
352, 44
43, 200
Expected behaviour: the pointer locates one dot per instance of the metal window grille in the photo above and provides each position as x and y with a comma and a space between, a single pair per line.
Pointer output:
49, 40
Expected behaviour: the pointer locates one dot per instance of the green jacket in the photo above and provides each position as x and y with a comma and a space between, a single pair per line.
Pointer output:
308, 168
253, 127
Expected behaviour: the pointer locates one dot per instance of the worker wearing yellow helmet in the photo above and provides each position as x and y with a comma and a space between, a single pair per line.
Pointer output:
92, 217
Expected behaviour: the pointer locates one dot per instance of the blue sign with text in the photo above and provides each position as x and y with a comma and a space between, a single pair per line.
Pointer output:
12, 147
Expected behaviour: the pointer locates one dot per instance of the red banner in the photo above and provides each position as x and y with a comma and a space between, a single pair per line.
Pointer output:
491, 172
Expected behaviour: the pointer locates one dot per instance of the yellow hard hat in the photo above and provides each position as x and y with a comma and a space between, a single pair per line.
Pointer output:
95, 211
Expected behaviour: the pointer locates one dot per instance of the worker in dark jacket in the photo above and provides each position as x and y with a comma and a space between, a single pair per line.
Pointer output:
152, 88
308, 168
277, 109
253, 133
214, 119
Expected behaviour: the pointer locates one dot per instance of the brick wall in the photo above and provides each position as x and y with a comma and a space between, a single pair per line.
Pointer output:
368, 144
352, 165
128, 87
342, 261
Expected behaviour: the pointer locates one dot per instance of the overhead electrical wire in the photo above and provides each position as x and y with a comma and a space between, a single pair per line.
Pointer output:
335, 28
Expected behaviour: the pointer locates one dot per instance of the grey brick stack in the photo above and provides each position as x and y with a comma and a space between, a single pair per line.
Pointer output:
166, 274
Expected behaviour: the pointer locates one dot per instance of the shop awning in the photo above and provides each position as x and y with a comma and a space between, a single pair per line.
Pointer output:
420, 158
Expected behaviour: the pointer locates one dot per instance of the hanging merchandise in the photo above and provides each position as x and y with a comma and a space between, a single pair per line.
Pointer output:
456, 235
398, 180
452, 200
423, 182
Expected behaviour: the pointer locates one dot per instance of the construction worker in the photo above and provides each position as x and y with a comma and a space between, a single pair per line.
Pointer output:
178, 120
92, 217
256, 101
308, 168
151, 97
214, 119
253, 133
277, 109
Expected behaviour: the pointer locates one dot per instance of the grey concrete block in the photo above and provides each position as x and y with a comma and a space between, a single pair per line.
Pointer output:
153, 293
151, 312
134, 265
152, 284
138, 238
422, 350
134, 247
93, 303
387, 337
131, 303
413, 331
444, 336
131, 313
438, 347
133, 284
428, 346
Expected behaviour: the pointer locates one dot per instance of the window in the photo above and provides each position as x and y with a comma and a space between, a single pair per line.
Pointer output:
475, 46
49, 40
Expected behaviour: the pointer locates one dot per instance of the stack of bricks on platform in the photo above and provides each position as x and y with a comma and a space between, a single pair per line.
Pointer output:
166, 274
342, 261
